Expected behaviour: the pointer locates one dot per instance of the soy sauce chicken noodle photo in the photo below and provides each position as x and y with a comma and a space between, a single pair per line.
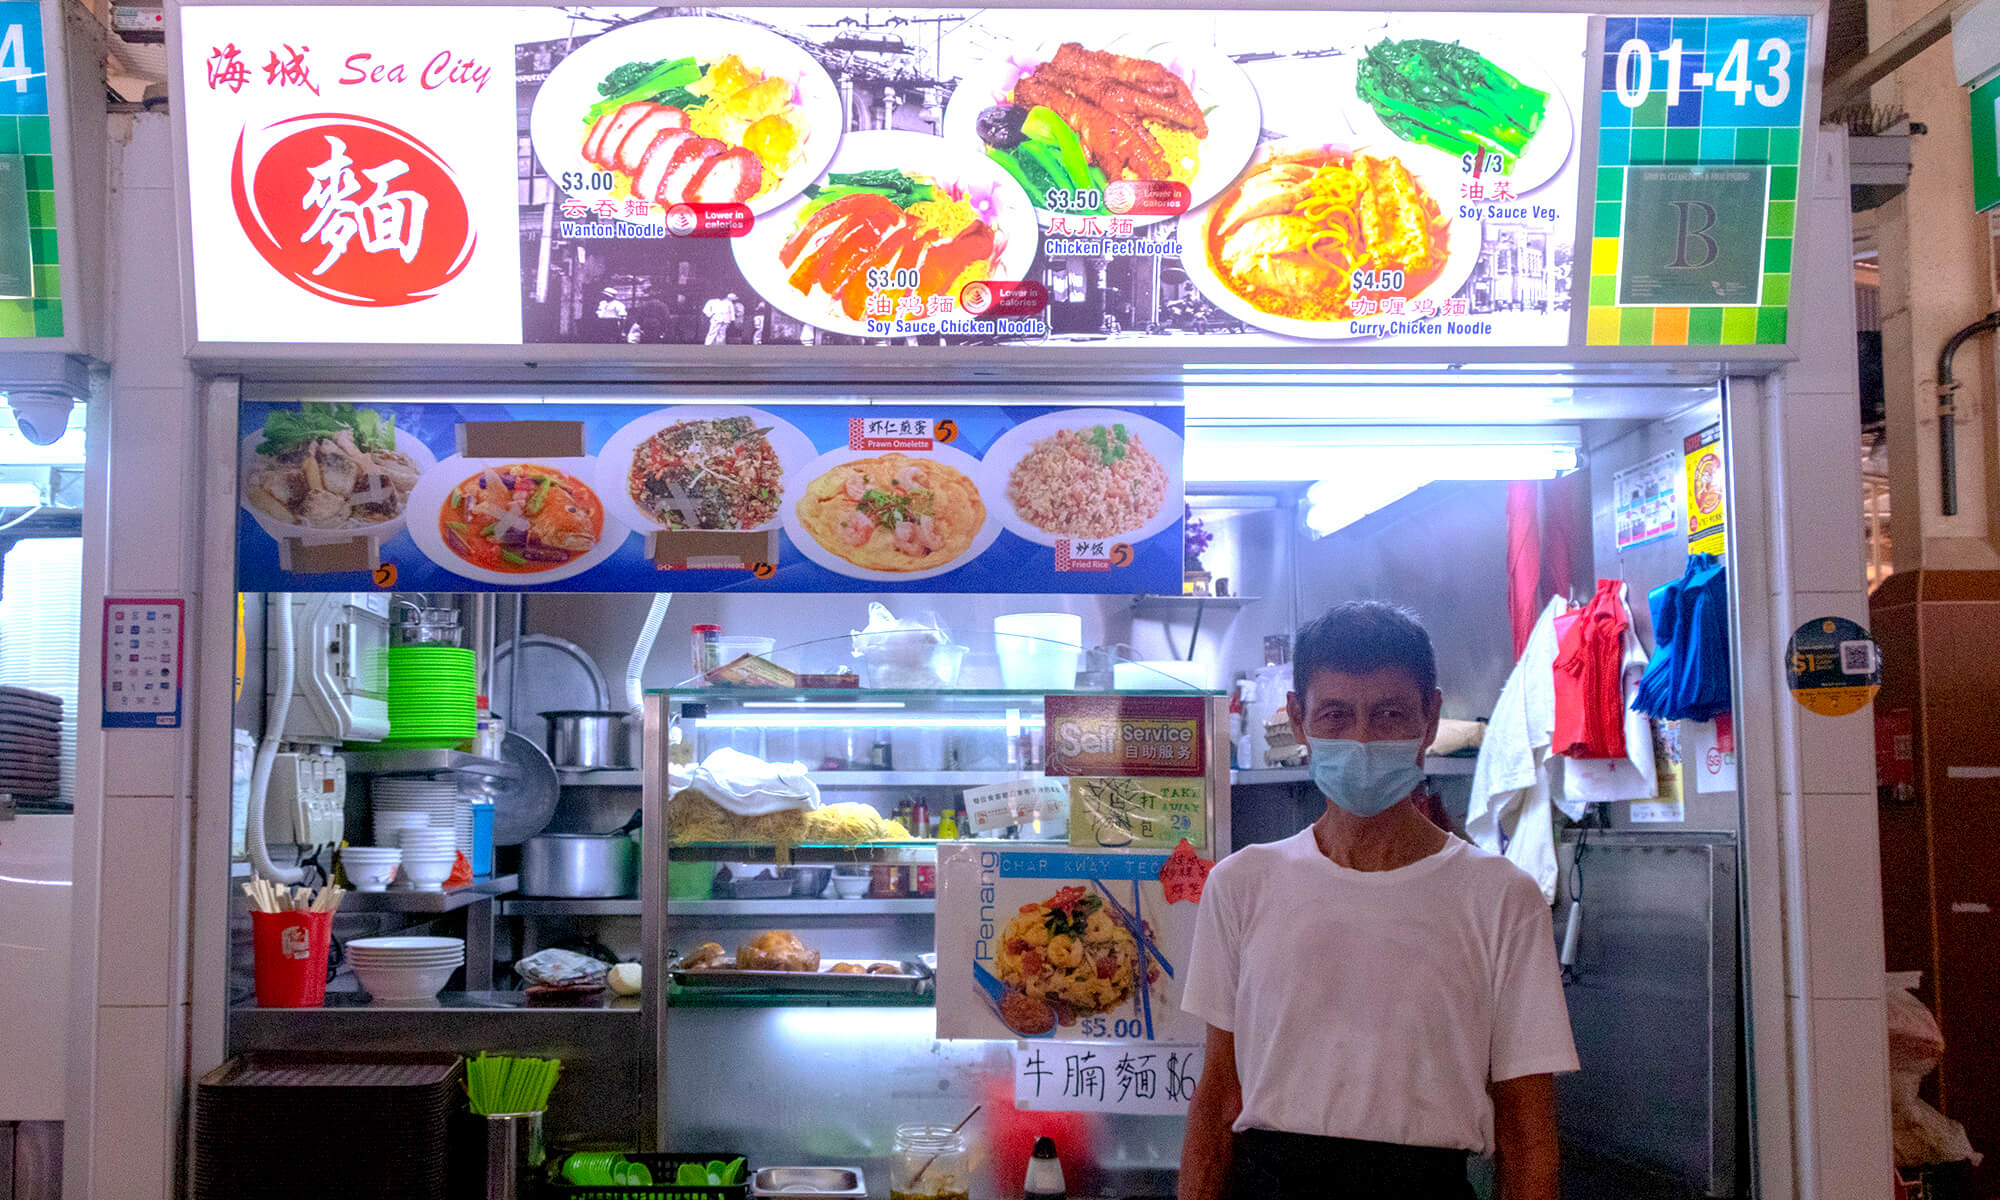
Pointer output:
330, 466
678, 130
711, 474
891, 233
1302, 234
1087, 117
521, 518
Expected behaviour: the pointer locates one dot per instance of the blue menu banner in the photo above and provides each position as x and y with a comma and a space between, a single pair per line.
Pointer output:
612, 497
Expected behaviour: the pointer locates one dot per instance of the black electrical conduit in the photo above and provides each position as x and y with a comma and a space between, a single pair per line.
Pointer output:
1947, 411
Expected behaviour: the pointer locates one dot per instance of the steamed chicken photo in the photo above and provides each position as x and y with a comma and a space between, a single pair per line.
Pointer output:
330, 466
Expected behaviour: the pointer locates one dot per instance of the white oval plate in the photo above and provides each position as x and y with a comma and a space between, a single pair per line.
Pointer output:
958, 460
1012, 446
614, 459
1545, 153
1221, 90
427, 501
556, 127
1439, 175
248, 460
998, 199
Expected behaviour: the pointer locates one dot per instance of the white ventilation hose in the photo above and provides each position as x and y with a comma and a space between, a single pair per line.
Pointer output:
649, 632
277, 633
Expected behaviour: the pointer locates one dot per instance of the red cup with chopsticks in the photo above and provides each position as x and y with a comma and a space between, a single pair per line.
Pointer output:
291, 950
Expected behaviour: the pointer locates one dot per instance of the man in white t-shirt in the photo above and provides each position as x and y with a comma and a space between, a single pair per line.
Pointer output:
1382, 998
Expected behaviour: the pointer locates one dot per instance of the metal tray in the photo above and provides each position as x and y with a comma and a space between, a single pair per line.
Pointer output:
911, 979
810, 1183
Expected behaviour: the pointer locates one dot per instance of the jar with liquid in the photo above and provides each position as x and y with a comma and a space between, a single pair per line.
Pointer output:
929, 1163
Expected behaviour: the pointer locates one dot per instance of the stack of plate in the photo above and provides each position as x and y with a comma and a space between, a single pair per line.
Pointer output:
405, 969
436, 800
30, 743
39, 631
325, 1129
433, 696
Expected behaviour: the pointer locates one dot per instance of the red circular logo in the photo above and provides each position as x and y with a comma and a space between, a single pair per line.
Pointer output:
352, 209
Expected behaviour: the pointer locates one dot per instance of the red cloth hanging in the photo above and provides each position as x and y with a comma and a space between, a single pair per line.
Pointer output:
1589, 676
1524, 561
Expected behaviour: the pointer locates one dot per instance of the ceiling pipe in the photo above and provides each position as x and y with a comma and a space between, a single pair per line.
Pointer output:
1947, 411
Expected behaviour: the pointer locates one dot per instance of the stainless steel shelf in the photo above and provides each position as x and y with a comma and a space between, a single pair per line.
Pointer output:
910, 854
1183, 603
429, 902
802, 908
487, 1003
618, 777
539, 906
894, 779
1433, 765
426, 762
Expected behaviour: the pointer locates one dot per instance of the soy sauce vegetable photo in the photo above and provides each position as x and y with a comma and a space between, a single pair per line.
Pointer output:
1450, 97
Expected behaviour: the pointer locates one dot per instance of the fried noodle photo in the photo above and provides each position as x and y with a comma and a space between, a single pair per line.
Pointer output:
1292, 234
715, 474
678, 130
1089, 117
893, 513
924, 237
1096, 482
1069, 956
330, 466
521, 518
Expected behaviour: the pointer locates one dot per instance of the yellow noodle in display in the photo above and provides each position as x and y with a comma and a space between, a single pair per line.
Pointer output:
1292, 234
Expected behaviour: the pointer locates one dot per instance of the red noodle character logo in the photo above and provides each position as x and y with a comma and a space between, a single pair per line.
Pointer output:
352, 209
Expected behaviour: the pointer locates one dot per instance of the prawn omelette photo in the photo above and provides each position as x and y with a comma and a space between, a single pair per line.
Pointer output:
893, 513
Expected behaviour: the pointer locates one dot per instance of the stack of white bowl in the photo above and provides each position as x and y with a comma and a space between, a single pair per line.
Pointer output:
370, 868
436, 800
405, 969
428, 855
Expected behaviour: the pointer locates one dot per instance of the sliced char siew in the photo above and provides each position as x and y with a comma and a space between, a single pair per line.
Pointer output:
688, 160
658, 157
632, 151
731, 177
621, 123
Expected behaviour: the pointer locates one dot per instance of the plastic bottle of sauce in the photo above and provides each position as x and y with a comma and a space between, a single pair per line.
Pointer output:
1045, 1176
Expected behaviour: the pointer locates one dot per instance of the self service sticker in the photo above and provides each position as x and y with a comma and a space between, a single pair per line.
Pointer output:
1832, 666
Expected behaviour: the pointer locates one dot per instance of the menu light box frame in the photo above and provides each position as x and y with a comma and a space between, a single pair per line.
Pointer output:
1135, 346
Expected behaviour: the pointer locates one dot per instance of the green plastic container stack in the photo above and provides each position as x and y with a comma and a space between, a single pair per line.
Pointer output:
433, 696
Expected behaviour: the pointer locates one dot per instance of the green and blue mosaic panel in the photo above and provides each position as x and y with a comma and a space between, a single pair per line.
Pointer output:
25, 130
1703, 95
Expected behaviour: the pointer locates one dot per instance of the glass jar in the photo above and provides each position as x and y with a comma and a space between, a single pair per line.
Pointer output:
929, 1163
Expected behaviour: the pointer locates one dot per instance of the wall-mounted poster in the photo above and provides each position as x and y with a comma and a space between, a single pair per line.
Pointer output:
844, 176
1061, 944
707, 497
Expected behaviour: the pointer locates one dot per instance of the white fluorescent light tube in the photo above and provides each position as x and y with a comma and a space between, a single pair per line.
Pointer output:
800, 705
825, 720
1267, 454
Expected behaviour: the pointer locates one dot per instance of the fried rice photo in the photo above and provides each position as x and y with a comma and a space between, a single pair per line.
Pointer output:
1096, 482
1070, 953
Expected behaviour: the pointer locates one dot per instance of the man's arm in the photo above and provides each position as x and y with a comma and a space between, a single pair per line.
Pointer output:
1524, 1134
1218, 1101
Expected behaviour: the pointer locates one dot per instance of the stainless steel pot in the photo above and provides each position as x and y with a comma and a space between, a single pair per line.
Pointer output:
588, 737
580, 866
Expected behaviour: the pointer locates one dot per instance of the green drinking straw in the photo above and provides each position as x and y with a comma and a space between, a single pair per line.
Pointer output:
496, 1084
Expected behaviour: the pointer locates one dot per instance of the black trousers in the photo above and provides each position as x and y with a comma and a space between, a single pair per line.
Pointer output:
1297, 1166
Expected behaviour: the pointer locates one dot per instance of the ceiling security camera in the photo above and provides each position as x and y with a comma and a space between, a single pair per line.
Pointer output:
42, 415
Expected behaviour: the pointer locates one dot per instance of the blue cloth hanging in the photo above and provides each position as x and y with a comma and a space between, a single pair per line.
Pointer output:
1687, 678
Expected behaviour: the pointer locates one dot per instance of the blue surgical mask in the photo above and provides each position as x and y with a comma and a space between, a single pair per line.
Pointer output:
1365, 778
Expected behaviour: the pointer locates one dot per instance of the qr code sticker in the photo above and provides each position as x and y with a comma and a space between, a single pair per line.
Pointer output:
1857, 658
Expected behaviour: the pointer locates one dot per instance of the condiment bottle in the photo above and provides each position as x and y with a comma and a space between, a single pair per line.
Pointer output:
948, 827
1045, 1176
922, 829
705, 643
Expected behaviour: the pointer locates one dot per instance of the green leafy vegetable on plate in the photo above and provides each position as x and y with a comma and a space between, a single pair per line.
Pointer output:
901, 189
286, 430
663, 82
1450, 97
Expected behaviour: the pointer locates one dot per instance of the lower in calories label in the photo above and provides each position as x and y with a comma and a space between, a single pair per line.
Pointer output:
1147, 198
